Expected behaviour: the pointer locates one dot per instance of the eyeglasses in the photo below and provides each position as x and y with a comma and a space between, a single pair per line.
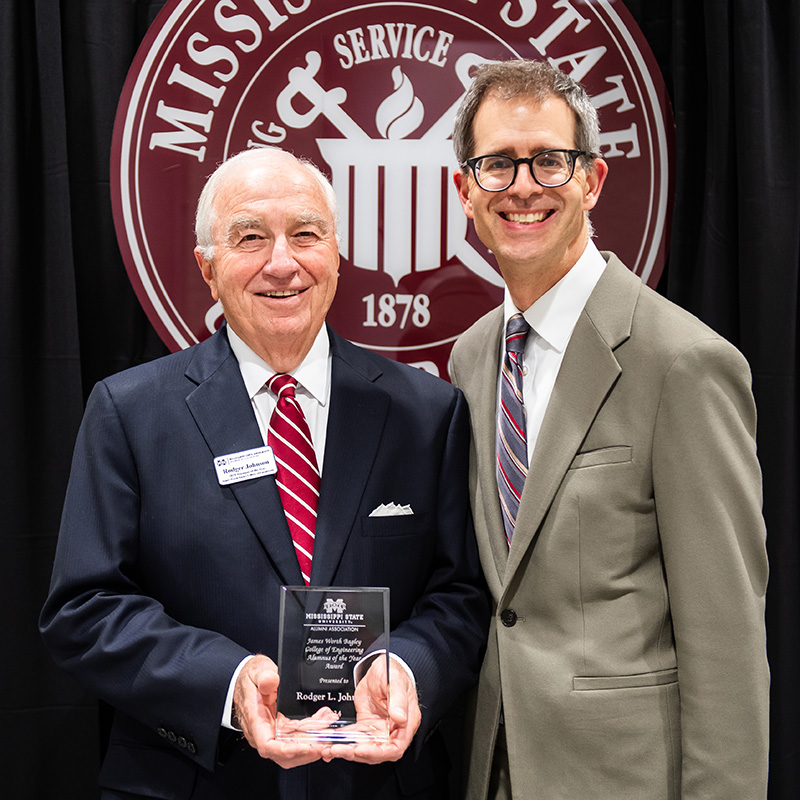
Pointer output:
550, 168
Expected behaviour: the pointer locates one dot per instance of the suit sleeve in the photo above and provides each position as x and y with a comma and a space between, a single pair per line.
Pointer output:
99, 622
444, 639
707, 485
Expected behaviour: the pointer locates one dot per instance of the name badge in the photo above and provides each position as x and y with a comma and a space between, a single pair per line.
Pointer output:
243, 466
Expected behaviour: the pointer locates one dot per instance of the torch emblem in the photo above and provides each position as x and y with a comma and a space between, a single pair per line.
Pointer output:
393, 184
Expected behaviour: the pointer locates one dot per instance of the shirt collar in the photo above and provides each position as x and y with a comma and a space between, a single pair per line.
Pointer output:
313, 374
554, 315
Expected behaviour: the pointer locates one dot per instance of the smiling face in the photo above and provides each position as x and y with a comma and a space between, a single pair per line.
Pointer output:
275, 261
536, 234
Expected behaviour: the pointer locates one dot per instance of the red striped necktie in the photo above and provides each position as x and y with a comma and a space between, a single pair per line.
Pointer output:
298, 476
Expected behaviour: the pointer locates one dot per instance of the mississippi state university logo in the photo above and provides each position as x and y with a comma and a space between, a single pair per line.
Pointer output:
369, 92
331, 606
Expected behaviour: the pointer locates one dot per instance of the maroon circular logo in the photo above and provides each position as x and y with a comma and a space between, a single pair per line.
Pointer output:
369, 92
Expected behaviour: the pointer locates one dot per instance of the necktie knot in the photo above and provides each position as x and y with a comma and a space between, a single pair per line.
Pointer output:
516, 333
283, 386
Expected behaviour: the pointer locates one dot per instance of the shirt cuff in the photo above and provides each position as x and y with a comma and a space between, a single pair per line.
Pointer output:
227, 715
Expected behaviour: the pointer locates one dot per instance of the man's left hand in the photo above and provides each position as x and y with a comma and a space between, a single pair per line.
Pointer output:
375, 699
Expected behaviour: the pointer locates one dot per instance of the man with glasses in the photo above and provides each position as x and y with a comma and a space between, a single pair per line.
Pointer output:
615, 488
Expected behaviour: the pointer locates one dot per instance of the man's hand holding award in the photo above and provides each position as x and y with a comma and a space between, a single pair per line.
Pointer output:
308, 706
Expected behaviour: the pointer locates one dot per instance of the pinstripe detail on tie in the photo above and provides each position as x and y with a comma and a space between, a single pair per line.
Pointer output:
298, 476
512, 447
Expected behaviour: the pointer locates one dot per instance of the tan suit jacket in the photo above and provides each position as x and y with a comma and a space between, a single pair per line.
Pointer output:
634, 663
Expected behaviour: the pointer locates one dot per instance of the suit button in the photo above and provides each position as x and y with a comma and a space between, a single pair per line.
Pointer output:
190, 747
162, 732
181, 742
509, 617
171, 736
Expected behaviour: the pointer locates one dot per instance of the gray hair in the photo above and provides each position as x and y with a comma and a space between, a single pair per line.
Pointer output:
536, 79
206, 217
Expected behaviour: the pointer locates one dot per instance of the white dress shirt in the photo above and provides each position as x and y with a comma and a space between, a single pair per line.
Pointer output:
552, 319
313, 391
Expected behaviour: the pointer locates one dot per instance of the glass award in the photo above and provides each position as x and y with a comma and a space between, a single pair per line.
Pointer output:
324, 632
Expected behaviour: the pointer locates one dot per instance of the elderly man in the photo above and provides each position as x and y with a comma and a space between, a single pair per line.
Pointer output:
165, 591
615, 488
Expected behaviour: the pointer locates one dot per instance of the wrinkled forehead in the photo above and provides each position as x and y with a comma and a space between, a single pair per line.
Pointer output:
265, 195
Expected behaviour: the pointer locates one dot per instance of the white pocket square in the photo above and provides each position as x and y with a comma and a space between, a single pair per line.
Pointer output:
391, 510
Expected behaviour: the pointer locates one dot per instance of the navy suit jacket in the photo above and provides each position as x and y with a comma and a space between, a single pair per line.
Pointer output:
164, 579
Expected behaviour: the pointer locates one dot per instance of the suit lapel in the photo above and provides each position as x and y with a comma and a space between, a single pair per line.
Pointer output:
482, 394
588, 372
355, 425
224, 414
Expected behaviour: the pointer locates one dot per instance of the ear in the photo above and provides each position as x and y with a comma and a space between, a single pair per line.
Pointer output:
207, 270
593, 184
462, 186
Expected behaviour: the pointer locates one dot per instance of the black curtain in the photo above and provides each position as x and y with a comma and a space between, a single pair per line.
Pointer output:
71, 318
731, 68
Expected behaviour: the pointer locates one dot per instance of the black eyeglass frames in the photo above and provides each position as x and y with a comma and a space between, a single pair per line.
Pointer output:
550, 168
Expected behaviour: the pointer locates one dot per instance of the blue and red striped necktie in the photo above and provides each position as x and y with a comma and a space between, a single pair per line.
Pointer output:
512, 447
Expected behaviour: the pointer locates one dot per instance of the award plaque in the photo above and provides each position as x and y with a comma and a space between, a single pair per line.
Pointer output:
324, 633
